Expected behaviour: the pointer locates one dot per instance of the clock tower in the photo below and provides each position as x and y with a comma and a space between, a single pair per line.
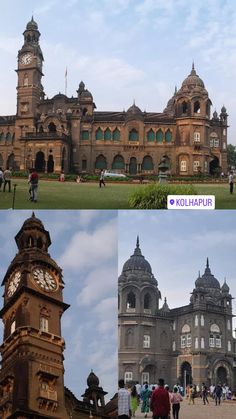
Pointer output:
30, 60
31, 375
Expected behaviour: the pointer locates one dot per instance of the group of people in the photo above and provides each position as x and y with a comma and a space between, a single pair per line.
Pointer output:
5, 179
159, 400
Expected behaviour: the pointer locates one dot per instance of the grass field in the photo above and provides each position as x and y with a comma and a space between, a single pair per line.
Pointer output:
56, 195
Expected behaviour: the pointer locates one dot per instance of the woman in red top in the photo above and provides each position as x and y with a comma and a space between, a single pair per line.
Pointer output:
160, 402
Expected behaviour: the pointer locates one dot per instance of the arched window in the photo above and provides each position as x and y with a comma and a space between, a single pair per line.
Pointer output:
131, 300
168, 136
2, 136
147, 163
196, 137
159, 136
147, 301
184, 107
52, 127
26, 80
196, 320
107, 134
151, 135
116, 135
101, 162
99, 134
146, 341
118, 163
196, 107
133, 135
196, 343
8, 136
84, 135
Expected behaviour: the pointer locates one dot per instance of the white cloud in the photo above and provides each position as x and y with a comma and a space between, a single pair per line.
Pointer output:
87, 250
98, 283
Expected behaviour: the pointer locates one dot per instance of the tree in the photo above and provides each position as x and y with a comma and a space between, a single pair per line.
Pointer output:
231, 152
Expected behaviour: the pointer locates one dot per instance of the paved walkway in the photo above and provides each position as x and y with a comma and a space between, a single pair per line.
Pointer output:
227, 410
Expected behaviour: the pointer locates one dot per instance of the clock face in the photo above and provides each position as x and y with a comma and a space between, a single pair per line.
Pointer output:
26, 59
14, 283
44, 279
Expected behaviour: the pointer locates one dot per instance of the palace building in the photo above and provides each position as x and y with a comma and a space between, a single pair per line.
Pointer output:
189, 344
32, 371
69, 134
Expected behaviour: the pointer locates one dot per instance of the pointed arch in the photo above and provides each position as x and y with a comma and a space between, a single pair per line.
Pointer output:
196, 106
101, 162
147, 301
99, 134
147, 163
160, 136
107, 134
168, 136
133, 135
151, 135
118, 162
131, 300
116, 134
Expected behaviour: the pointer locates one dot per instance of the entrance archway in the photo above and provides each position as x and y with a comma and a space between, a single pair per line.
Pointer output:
186, 374
222, 375
11, 162
214, 166
133, 166
63, 159
50, 165
40, 162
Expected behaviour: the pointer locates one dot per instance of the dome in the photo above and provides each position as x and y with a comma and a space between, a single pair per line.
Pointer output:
92, 380
59, 96
225, 288
33, 222
215, 115
193, 80
86, 94
137, 261
32, 25
134, 110
207, 280
223, 109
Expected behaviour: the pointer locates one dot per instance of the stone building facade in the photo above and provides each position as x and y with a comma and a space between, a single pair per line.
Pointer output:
32, 371
189, 344
69, 134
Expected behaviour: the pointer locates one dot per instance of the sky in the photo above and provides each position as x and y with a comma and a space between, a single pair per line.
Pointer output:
177, 244
125, 50
84, 244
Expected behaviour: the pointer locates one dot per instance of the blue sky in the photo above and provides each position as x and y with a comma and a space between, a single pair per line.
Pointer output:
84, 244
177, 244
126, 49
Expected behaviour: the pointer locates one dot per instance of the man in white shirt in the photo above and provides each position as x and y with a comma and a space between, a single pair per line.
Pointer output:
124, 401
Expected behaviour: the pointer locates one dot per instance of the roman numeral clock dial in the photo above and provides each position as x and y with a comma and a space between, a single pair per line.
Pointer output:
45, 280
13, 283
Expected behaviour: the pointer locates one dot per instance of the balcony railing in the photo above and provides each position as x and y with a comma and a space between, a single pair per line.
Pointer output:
45, 136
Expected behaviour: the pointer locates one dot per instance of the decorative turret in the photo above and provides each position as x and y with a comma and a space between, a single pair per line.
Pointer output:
94, 394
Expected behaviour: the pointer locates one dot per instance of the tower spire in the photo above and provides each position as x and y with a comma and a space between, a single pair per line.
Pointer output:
137, 242
207, 263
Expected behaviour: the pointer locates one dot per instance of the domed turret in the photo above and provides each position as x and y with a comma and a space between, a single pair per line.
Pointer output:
32, 25
33, 234
137, 261
225, 288
134, 112
207, 280
193, 80
92, 380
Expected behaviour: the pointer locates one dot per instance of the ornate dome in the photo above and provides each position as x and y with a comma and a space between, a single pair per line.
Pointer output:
225, 288
207, 280
134, 110
86, 94
33, 222
32, 25
92, 380
193, 80
223, 109
137, 261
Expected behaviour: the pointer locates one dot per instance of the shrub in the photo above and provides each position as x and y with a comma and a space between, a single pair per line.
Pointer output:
155, 196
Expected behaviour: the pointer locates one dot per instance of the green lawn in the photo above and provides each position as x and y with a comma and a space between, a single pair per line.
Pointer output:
70, 195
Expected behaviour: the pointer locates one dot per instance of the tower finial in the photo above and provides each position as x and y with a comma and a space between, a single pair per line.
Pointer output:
193, 65
175, 89
33, 215
137, 243
207, 264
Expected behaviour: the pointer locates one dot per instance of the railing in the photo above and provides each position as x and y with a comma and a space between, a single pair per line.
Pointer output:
45, 135
48, 394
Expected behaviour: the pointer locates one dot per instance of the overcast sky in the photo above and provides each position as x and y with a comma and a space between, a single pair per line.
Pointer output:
125, 50
177, 244
84, 244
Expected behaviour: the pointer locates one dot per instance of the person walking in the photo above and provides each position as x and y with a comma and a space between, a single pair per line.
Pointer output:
34, 180
124, 401
1, 178
145, 396
101, 179
218, 394
175, 399
191, 395
160, 401
7, 179
204, 394
134, 400
231, 182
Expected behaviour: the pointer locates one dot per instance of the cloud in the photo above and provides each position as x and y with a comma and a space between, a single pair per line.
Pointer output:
87, 250
98, 283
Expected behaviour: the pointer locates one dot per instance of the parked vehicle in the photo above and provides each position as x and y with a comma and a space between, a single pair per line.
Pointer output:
112, 173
